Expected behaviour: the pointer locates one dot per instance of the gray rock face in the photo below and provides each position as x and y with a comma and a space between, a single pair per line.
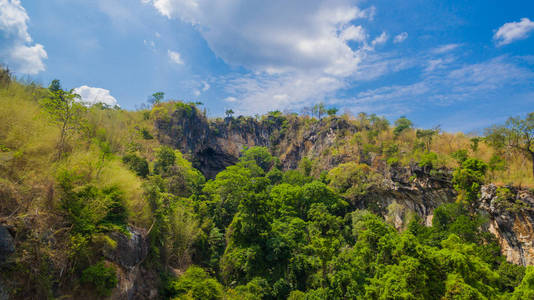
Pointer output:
511, 221
215, 144
130, 251
7, 244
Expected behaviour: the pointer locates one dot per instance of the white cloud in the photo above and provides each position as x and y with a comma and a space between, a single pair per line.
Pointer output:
205, 86
445, 48
381, 39
27, 59
92, 95
17, 49
401, 37
513, 31
438, 63
297, 51
265, 92
354, 33
274, 36
469, 82
175, 57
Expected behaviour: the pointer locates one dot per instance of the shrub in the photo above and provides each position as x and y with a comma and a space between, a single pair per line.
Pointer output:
428, 160
165, 158
146, 134
195, 284
137, 164
468, 178
101, 277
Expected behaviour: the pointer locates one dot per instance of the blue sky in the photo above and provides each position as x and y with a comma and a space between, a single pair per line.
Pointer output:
463, 65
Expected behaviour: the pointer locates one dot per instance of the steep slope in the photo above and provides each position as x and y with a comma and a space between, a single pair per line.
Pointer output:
214, 144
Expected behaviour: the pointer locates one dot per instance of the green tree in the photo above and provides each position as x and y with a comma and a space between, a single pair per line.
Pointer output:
137, 164
259, 155
460, 156
195, 283
229, 113
164, 160
526, 289
517, 134
426, 136
156, 98
401, 124
63, 109
468, 179
318, 110
332, 111
352, 180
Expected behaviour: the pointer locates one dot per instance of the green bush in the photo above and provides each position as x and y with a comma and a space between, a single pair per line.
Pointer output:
428, 160
137, 164
468, 179
146, 134
195, 283
101, 277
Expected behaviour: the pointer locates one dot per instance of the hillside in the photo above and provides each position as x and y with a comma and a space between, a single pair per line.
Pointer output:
102, 202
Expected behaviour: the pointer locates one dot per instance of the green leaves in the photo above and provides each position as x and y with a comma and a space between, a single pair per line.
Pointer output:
102, 277
468, 179
195, 283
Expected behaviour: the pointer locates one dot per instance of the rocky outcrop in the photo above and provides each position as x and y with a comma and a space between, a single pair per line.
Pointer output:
212, 145
407, 192
130, 251
7, 244
511, 212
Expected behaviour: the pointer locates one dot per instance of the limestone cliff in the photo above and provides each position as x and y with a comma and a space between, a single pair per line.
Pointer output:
511, 221
214, 144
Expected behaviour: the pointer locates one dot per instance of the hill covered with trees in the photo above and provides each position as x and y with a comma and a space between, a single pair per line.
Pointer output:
165, 202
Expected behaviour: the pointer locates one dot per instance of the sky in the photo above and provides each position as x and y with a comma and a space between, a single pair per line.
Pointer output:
463, 65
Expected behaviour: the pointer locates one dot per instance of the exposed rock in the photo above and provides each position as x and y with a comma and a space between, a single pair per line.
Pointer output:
511, 221
215, 144
130, 251
7, 244
409, 191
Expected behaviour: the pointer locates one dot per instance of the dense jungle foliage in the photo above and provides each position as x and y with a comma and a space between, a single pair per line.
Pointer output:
70, 175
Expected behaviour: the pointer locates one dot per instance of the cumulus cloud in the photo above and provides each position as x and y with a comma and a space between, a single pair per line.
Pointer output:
175, 57
513, 31
275, 36
297, 51
92, 95
399, 38
18, 50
